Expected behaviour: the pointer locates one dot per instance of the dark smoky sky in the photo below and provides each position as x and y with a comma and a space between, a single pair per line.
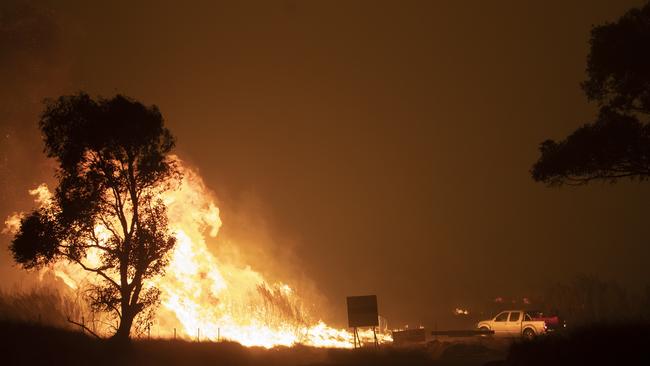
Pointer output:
388, 143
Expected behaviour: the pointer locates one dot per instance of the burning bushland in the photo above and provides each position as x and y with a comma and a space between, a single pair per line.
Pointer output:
127, 227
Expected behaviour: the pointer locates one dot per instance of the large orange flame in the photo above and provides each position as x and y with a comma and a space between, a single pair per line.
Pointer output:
208, 299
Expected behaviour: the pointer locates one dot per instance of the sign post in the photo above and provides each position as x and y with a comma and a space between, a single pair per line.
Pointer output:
362, 312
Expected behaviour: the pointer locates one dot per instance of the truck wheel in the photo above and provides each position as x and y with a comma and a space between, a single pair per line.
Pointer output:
529, 334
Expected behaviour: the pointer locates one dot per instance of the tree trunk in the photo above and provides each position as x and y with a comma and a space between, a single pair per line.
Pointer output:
124, 330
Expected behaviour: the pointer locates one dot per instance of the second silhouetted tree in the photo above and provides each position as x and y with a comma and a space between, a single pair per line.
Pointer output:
617, 144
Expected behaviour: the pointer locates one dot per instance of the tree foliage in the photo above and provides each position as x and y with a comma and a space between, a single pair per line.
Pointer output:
617, 144
113, 164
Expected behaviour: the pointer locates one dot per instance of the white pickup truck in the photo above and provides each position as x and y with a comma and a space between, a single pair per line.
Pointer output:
513, 323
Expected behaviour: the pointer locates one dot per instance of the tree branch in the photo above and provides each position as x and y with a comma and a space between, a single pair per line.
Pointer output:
84, 327
98, 271
575, 180
108, 226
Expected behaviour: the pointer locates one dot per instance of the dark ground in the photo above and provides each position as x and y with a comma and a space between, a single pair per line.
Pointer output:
25, 344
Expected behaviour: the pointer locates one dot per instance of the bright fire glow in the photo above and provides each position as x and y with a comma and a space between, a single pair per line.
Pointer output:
208, 299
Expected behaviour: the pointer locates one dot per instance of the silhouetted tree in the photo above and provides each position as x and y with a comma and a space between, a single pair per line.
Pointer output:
113, 164
617, 144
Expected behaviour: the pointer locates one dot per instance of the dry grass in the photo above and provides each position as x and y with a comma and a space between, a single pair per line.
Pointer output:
32, 344
39, 305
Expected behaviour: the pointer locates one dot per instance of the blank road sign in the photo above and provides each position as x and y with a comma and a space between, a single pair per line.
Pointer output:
362, 311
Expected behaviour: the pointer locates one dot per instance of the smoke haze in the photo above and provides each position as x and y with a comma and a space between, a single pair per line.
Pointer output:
355, 148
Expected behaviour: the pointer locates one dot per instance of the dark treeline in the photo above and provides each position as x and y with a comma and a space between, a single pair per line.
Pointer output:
589, 300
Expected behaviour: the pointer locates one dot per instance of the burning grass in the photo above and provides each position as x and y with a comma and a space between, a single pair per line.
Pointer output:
203, 296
